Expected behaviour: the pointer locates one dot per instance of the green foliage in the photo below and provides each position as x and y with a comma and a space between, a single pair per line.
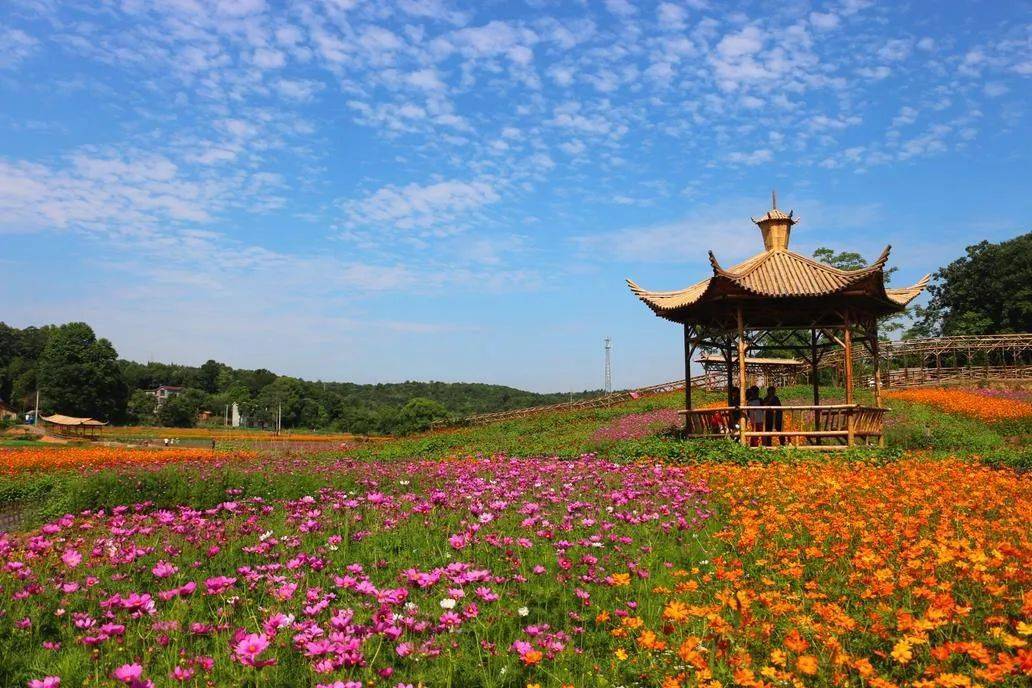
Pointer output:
419, 413
917, 426
141, 407
341, 406
79, 374
987, 291
179, 411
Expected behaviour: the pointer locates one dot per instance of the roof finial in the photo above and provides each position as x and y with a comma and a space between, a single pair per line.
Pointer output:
773, 199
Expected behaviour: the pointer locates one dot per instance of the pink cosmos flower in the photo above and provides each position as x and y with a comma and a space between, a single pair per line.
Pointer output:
128, 673
71, 558
182, 674
45, 682
248, 649
164, 569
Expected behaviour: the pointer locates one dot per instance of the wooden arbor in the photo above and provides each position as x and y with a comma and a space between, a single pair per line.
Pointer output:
781, 300
70, 426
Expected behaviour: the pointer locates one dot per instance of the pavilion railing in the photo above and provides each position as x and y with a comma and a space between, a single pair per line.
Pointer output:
802, 426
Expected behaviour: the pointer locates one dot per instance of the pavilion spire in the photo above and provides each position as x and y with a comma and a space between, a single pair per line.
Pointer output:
776, 225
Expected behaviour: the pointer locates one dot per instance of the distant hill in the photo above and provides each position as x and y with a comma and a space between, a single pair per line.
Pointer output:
57, 359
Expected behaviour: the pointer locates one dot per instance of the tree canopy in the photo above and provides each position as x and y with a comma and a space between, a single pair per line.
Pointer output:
120, 390
78, 374
986, 291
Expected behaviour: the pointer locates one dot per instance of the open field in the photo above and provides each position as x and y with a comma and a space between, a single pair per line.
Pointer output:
585, 549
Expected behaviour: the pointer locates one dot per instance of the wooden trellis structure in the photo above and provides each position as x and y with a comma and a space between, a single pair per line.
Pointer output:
915, 362
779, 372
763, 304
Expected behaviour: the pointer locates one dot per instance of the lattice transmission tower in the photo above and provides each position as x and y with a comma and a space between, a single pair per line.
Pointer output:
608, 383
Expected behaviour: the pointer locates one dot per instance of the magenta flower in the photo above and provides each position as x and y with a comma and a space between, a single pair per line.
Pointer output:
163, 569
71, 558
248, 649
128, 673
45, 682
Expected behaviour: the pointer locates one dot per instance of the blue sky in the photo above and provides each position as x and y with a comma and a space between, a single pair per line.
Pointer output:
421, 189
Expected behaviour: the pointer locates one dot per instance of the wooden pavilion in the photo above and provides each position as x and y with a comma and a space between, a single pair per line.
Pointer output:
781, 300
70, 426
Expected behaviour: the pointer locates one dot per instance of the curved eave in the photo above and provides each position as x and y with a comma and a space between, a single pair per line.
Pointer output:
905, 295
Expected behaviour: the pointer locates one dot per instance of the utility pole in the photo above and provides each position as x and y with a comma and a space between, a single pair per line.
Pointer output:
225, 421
608, 382
35, 413
279, 417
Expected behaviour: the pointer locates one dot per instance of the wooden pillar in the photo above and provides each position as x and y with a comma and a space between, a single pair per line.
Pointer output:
875, 351
847, 364
741, 377
728, 358
687, 375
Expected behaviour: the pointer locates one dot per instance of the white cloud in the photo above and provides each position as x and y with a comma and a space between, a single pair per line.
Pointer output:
748, 41
672, 17
756, 157
621, 8
437, 207
15, 46
824, 21
907, 115
300, 90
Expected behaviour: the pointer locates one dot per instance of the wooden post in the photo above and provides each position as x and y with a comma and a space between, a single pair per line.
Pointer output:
847, 364
741, 377
875, 350
687, 376
728, 357
815, 382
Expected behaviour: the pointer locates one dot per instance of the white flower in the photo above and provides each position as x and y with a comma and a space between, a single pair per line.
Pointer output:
523, 611
403, 482
265, 536
447, 603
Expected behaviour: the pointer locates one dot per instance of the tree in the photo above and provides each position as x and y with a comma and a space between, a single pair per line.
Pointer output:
179, 411
208, 376
849, 260
418, 414
141, 407
986, 291
79, 374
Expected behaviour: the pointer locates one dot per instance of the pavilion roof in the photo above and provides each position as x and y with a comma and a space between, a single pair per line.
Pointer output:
58, 419
788, 283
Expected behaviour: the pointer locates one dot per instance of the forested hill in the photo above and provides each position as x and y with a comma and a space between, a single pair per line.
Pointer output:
79, 374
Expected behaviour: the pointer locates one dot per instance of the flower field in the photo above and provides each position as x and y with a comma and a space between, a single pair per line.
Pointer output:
499, 571
92, 458
967, 402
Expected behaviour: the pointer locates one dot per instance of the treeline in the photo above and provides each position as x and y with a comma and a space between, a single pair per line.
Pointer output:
81, 375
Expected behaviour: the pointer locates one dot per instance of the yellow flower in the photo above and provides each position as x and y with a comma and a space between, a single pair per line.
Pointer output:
901, 652
620, 654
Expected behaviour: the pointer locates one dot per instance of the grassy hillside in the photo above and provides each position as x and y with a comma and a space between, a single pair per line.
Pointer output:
909, 426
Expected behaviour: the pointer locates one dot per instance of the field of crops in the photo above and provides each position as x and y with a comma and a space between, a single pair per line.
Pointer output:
421, 562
